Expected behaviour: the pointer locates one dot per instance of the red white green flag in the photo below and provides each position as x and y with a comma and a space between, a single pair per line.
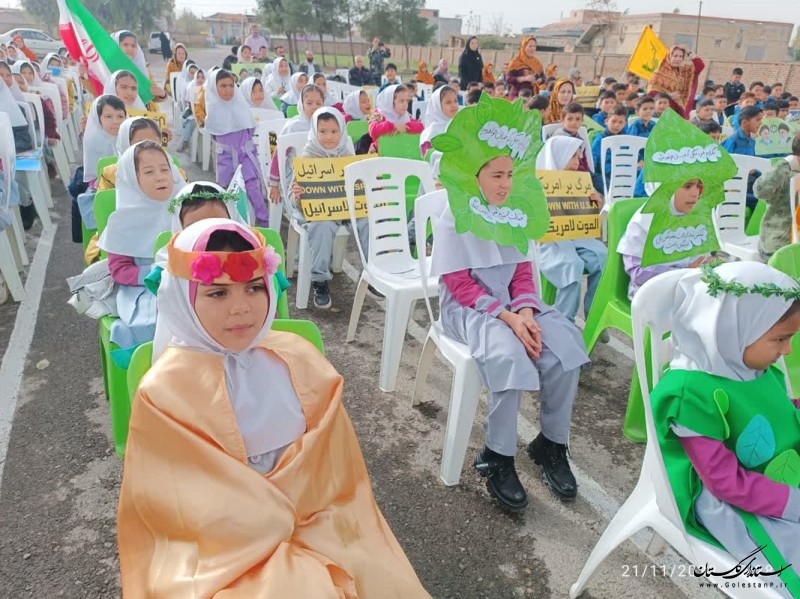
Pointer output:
91, 45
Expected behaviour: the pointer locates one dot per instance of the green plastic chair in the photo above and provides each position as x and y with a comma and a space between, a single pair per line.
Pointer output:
278, 103
357, 129
753, 226
105, 202
140, 363
104, 162
292, 111
305, 328
787, 260
402, 145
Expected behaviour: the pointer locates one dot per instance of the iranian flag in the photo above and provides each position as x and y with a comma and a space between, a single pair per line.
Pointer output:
90, 44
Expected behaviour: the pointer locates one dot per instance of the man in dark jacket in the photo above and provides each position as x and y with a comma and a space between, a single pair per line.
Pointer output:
359, 74
309, 67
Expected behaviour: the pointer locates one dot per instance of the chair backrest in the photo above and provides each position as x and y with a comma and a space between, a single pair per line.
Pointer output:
8, 157
729, 216
384, 181
402, 145
357, 129
173, 82
292, 111
289, 147
418, 110
179, 89
30, 117
794, 200
619, 216
624, 158
104, 162
548, 130
305, 328
51, 92
105, 202
36, 101
264, 131
787, 260
264, 114
424, 90
398, 79
427, 210
583, 133
140, 363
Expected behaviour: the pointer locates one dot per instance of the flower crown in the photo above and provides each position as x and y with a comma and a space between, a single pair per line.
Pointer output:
177, 203
223, 267
716, 286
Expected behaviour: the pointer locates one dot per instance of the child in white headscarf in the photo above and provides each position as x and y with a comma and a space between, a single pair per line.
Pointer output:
231, 124
563, 262
124, 85
442, 107
189, 123
631, 246
391, 114
253, 92
293, 94
728, 430
357, 106
327, 138
279, 80
129, 44
321, 81
100, 138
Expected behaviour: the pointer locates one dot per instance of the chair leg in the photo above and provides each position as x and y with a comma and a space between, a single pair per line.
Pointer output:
62, 164
17, 231
464, 396
424, 368
193, 146
358, 304
339, 249
394, 334
292, 241
303, 274
275, 215
206, 151
8, 268
39, 200
632, 517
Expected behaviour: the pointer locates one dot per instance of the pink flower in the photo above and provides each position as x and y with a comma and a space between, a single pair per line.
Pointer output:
207, 268
272, 260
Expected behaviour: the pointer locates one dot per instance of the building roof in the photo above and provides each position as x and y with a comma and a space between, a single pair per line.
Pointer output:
230, 17
693, 19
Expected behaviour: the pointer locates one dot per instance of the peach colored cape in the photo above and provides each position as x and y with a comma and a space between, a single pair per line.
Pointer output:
196, 521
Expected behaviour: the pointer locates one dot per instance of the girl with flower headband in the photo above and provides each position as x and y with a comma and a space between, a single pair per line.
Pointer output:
728, 430
241, 459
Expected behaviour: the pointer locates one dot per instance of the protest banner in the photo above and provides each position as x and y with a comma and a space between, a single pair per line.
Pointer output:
572, 214
243, 70
587, 95
324, 197
647, 55
774, 138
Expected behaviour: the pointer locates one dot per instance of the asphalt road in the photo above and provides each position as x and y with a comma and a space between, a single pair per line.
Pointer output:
60, 476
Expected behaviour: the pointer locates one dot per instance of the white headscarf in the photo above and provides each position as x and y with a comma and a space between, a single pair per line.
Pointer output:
97, 143
240, 59
124, 142
384, 103
710, 334
352, 106
138, 220
258, 383
226, 117
292, 96
9, 105
110, 88
274, 74
247, 92
635, 237
557, 153
314, 148
436, 121
300, 123
17, 68
193, 89
139, 59
16, 92
44, 64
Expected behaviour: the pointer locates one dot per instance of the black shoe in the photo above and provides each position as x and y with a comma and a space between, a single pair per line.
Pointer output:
375, 293
552, 457
28, 215
322, 295
502, 481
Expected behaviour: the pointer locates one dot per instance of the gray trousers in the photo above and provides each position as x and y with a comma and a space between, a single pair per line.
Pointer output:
321, 235
557, 392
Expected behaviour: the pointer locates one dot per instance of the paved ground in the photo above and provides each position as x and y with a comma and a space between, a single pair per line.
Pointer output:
60, 478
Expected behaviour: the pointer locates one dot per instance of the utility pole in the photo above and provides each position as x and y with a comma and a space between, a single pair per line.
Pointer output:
697, 36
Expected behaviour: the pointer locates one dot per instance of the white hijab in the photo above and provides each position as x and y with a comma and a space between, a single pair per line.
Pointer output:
435, 119
223, 117
110, 88
44, 64
352, 106
300, 123
9, 105
240, 59
139, 60
710, 334
557, 153
16, 92
17, 68
138, 220
314, 148
293, 95
124, 142
247, 92
274, 74
97, 142
193, 89
384, 103
259, 385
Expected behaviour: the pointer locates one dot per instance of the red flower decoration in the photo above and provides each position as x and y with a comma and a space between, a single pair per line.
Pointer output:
240, 267
206, 268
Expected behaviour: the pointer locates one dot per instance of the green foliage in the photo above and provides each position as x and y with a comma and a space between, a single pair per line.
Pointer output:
492, 44
378, 21
397, 22
136, 15
717, 286
188, 23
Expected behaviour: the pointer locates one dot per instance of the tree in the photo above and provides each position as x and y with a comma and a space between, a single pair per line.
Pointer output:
327, 20
352, 9
605, 14
499, 27
796, 48
188, 23
412, 29
138, 15
378, 21
289, 16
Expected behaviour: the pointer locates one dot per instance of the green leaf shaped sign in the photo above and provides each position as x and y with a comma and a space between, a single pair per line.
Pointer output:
492, 128
785, 468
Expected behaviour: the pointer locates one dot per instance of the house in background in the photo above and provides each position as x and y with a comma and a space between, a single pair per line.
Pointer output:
16, 18
230, 28
445, 26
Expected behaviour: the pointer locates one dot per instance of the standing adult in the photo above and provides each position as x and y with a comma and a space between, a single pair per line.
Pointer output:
470, 65
255, 40
360, 75
377, 55
166, 48
309, 67
525, 71
175, 65
677, 79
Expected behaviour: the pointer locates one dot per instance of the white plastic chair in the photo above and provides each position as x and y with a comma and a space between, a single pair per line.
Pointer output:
265, 114
297, 239
204, 143
175, 96
390, 268
398, 79
424, 90
8, 264
263, 130
729, 217
59, 150
652, 503
37, 179
624, 158
418, 110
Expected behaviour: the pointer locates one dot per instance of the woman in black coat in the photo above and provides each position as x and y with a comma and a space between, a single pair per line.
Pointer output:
470, 65
166, 50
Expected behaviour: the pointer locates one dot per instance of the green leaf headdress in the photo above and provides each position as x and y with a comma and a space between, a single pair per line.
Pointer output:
678, 152
492, 128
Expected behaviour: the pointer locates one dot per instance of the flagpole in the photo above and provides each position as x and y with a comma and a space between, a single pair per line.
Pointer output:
697, 36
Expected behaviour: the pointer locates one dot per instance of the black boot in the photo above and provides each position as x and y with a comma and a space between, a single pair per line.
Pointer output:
27, 215
552, 457
501, 479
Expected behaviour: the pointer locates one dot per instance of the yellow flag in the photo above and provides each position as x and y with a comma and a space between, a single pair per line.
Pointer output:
649, 53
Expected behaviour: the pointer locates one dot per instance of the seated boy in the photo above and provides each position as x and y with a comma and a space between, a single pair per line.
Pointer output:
644, 124
720, 104
571, 123
704, 112
473, 97
662, 103
391, 76
743, 142
608, 102
770, 110
747, 99
542, 104
615, 125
